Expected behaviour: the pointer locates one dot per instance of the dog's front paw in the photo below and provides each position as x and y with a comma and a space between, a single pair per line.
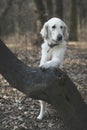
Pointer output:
43, 67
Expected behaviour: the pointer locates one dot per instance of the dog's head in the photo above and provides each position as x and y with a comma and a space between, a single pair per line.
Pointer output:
54, 31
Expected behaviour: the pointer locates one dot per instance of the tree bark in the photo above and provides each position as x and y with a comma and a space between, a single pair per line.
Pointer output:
52, 86
59, 8
50, 8
73, 21
41, 11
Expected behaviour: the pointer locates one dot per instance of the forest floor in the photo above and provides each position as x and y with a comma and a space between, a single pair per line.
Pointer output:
19, 112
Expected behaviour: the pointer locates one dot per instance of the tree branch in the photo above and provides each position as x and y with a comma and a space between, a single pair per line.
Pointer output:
52, 86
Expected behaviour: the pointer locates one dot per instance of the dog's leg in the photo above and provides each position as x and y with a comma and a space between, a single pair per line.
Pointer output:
54, 63
44, 53
43, 59
42, 110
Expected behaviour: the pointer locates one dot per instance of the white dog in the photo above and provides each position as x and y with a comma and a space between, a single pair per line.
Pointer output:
55, 35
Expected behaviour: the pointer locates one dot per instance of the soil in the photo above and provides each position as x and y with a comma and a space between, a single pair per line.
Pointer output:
19, 112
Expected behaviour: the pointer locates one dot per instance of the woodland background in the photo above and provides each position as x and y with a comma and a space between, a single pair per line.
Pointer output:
26, 17
20, 24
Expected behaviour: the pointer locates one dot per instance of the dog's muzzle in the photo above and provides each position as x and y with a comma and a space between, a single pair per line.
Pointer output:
56, 42
59, 37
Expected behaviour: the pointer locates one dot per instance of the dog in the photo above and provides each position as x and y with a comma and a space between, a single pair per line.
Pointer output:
55, 35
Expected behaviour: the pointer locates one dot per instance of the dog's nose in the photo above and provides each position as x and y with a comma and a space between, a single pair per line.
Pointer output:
59, 37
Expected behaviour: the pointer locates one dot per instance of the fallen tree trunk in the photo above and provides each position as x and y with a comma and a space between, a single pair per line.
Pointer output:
52, 86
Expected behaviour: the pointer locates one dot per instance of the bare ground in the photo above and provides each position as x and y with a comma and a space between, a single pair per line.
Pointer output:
19, 112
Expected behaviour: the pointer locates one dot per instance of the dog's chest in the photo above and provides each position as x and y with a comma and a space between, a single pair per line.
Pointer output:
50, 52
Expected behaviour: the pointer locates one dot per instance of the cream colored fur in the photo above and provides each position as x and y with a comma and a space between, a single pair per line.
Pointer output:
55, 35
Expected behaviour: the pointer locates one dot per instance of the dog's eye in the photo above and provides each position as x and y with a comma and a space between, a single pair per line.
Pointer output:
53, 26
61, 27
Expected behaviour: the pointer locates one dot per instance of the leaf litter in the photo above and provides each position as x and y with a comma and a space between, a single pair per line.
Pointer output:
19, 112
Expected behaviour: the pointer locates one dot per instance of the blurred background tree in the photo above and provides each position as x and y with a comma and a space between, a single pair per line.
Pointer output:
73, 20
23, 19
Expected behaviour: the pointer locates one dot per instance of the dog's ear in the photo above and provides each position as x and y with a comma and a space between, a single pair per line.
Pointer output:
66, 33
44, 31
